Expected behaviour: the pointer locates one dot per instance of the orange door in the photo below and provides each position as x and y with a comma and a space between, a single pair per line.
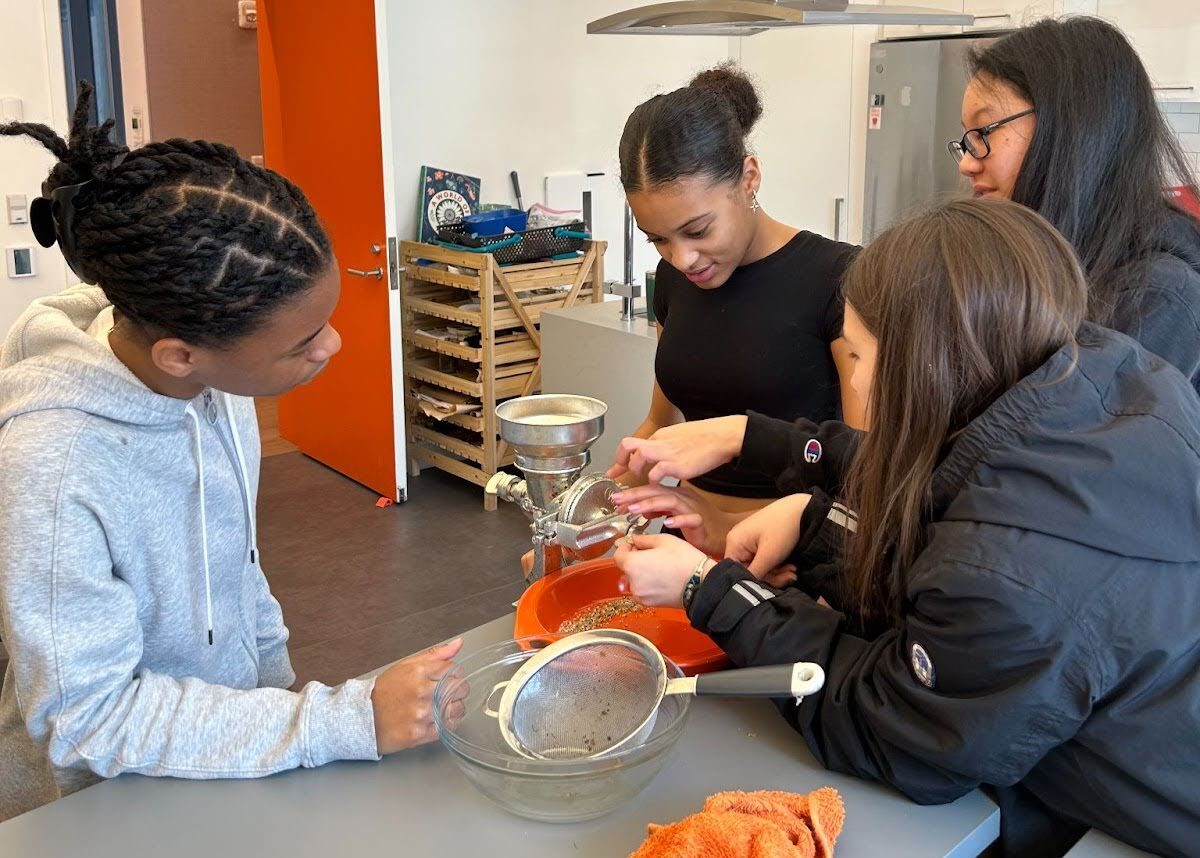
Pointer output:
321, 129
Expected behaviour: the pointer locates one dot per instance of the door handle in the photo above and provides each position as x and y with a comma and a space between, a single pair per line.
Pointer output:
839, 206
377, 273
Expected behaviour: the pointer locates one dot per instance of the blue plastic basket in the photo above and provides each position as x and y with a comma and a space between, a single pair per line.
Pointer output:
496, 222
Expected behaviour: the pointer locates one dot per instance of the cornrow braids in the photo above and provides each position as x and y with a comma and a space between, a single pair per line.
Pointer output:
185, 237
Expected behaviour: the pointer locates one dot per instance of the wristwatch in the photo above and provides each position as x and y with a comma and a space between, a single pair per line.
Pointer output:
693, 583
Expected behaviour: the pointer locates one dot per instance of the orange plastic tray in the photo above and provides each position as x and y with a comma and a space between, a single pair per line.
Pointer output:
559, 595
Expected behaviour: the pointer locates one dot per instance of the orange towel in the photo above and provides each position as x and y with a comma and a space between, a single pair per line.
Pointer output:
764, 824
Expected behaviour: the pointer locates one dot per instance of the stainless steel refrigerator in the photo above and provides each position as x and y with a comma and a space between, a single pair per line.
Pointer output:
915, 100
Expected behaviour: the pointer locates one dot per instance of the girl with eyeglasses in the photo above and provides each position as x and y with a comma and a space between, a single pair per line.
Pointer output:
1061, 117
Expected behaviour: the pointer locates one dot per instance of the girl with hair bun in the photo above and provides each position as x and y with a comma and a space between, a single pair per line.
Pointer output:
748, 308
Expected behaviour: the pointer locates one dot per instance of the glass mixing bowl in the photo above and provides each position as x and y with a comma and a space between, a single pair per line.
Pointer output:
545, 790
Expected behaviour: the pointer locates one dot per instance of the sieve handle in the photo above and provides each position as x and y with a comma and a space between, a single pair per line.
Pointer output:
487, 704
778, 680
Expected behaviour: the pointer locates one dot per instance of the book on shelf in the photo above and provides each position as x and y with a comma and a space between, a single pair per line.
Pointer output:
445, 197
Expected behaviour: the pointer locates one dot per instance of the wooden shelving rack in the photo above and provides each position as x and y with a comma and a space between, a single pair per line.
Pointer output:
504, 305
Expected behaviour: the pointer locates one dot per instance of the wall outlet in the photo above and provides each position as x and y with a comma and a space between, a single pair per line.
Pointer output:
20, 262
248, 14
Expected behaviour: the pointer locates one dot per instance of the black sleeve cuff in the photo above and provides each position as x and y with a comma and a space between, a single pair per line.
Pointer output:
713, 589
812, 520
766, 448
823, 532
798, 455
819, 456
755, 624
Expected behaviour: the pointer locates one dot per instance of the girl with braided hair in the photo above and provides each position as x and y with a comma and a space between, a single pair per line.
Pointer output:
142, 634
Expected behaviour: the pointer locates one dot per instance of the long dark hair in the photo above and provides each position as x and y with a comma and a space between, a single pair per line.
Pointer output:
965, 301
698, 130
1101, 154
186, 238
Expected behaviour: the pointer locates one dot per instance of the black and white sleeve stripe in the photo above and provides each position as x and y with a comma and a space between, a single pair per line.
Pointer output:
843, 516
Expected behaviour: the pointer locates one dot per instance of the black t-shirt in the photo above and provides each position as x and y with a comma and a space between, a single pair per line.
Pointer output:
758, 342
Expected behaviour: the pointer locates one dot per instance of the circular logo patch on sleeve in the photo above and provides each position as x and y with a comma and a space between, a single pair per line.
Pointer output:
922, 666
812, 451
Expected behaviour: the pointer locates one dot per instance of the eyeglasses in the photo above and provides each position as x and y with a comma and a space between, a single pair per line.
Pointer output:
975, 141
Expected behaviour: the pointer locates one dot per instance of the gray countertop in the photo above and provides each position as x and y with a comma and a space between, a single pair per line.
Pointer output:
418, 803
587, 349
607, 314
1097, 845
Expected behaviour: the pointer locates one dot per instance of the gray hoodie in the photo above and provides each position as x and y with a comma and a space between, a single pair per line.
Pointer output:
141, 630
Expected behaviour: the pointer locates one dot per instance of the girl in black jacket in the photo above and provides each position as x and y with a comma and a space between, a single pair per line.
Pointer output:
1092, 154
1022, 558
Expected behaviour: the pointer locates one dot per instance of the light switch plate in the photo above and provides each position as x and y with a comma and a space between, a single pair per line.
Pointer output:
248, 14
18, 208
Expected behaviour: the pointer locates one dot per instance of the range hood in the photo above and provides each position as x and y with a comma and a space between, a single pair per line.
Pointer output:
750, 17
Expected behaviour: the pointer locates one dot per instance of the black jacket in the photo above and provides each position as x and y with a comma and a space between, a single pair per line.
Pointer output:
1162, 314
1051, 636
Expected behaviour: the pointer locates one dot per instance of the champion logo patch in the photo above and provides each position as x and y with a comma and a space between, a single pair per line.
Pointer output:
812, 451
922, 666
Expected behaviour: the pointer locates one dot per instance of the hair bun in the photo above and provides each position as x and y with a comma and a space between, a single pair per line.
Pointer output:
734, 85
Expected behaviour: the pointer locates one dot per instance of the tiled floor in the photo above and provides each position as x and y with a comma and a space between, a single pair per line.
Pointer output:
361, 586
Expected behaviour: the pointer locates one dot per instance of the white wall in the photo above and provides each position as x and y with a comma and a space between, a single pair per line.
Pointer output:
552, 99
811, 139
31, 67
131, 44
1079, 7
1184, 119
555, 101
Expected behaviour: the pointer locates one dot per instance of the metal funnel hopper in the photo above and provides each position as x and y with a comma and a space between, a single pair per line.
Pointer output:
550, 434
551, 424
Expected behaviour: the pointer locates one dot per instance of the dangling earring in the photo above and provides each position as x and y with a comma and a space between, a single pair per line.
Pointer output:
754, 202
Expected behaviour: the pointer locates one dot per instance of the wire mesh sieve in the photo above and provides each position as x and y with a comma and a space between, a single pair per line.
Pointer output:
592, 693
587, 701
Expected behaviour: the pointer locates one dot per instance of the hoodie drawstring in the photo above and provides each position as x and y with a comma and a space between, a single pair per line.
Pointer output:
227, 401
191, 412
241, 460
